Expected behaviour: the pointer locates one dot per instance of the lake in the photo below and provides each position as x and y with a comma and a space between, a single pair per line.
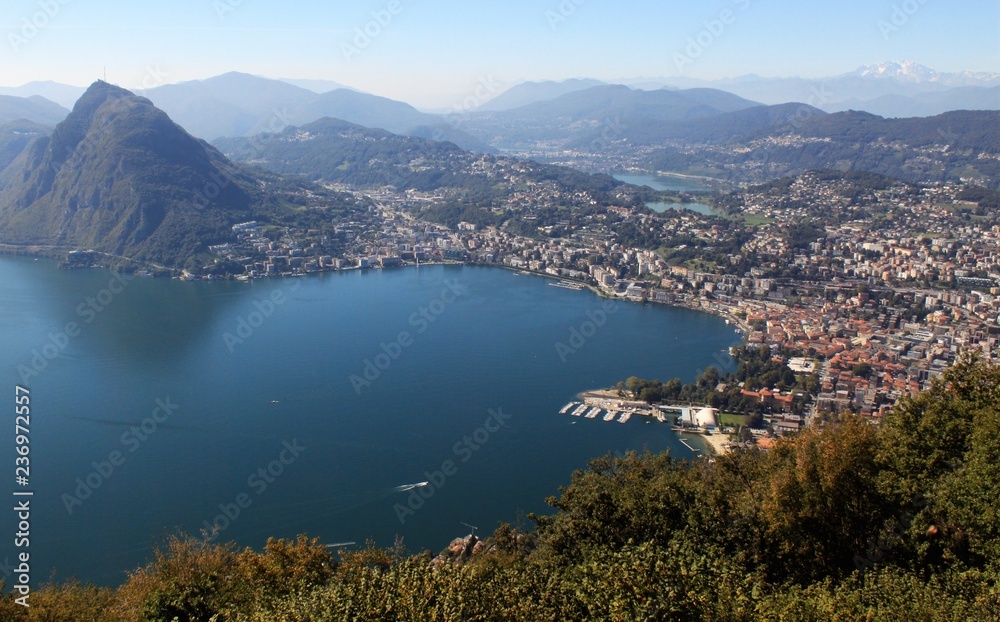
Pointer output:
313, 405
669, 182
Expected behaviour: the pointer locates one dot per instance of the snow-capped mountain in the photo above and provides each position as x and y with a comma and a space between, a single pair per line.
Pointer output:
915, 73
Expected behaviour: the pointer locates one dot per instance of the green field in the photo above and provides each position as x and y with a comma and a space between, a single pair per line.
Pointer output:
726, 420
756, 219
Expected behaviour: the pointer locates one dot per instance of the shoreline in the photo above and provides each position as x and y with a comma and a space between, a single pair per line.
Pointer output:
714, 444
46, 252
717, 443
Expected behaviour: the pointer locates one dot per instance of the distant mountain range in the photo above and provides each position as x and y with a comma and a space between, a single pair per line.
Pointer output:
530, 92
63, 94
891, 89
601, 111
34, 108
118, 176
238, 104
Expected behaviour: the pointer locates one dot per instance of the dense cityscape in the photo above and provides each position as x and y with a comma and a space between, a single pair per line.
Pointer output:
883, 304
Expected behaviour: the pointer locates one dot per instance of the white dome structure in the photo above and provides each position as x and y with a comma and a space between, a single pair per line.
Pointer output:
705, 418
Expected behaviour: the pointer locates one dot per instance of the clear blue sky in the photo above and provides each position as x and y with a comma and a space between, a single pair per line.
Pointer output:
433, 53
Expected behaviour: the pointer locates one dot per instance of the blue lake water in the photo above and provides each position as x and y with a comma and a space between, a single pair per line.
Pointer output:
169, 404
669, 182
663, 181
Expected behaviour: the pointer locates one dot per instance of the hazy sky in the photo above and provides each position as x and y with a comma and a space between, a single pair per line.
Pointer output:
434, 53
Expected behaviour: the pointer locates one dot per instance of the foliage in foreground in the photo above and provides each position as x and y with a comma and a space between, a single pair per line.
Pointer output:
852, 522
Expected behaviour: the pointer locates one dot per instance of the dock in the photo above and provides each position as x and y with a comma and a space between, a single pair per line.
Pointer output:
568, 285
686, 444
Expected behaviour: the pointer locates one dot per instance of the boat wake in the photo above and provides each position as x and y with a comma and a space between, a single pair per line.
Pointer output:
409, 487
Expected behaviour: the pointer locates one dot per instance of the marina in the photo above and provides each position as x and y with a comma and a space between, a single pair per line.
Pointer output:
568, 285
683, 419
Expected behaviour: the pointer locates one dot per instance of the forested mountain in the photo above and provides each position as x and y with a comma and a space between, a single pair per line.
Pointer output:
118, 176
717, 129
15, 136
948, 147
333, 150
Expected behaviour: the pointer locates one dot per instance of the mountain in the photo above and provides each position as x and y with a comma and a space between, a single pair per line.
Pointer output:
119, 176
893, 89
531, 92
239, 104
717, 129
915, 73
383, 113
615, 100
335, 151
926, 104
15, 136
233, 104
602, 109
949, 147
63, 94
316, 86
34, 108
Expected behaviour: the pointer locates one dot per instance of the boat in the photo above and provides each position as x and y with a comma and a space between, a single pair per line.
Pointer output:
625, 417
611, 414
579, 410
593, 413
565, 409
